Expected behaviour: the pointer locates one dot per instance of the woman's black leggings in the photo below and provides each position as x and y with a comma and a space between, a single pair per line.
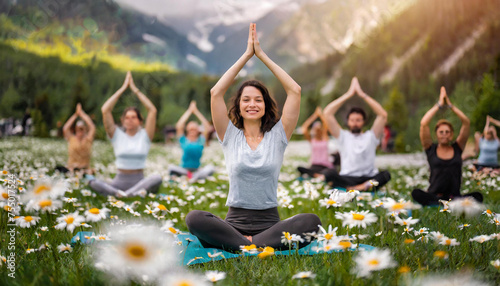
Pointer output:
264, 226
336, 180
431, 199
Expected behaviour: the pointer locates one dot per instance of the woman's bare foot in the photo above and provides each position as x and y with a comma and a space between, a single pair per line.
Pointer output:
248, 237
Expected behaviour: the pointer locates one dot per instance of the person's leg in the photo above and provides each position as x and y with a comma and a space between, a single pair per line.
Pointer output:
333, 178
425, 198
176, 170
151, 184
382, 178
202, 173
103, 187
214, 232
298, 224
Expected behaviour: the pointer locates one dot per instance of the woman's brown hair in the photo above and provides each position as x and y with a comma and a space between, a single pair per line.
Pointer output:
270, 117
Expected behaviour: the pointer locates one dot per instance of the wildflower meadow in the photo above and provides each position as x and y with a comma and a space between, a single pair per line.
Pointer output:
139, 240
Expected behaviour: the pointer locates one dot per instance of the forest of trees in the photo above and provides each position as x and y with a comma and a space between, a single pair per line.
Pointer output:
49, 70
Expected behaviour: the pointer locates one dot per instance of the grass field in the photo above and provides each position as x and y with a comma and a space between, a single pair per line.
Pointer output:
443, 245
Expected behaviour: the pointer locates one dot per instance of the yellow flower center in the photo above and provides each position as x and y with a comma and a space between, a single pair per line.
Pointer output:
42, 188
448, 242
7, 208
102, 238
374, 262
358, 216
345, 244
249, 247
162, 207
328, 236
136, 251
94, 211
69, 220
409, 240
404, 269
172, 230
5, 172
440, 254
331, 202
5, 195
28, 218
397, 206
45, 203
287, 235
466, 203
489, 212
184, 283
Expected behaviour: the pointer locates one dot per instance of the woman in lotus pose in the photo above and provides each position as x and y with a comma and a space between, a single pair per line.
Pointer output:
319, 144
444, 157
192, 143
79, 141
131, 146
487, 146
253, 139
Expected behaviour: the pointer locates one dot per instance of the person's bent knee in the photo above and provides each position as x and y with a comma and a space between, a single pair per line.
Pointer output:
195, 218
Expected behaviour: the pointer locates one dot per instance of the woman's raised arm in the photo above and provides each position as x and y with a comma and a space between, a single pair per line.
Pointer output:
217, 103
107, 107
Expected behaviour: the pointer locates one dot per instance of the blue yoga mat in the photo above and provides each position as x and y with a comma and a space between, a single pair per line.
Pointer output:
194, 253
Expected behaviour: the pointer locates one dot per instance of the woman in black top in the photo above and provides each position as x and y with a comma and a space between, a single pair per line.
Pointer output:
445, 156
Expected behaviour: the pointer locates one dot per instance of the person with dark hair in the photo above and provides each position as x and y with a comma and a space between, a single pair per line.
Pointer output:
487, 145
192, 143
131, 146
80, 136
357, 148
253, 139
320, 157
444, 157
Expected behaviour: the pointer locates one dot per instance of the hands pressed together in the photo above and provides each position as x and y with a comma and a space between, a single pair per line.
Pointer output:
253, 46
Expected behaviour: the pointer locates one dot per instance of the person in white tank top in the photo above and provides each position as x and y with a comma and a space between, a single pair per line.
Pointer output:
356, 147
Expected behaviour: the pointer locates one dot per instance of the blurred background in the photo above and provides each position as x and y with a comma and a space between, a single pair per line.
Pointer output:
56, 53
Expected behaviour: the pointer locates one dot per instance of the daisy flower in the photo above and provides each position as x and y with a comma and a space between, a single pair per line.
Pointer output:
480, 238
327, 235
449, 241
359, 219
251, 249
214, 276
462, 226
303, 275
268, 251
406, 222
397, 207
27, 221
184, 279
441, 254
288, 238
466, 205
69, 221
137, 250
64, 248
46, 189
421, 231
495, 263
375, 260
95, 214
46, 205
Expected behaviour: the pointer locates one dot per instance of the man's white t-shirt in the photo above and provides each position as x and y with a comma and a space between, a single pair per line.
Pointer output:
357, 153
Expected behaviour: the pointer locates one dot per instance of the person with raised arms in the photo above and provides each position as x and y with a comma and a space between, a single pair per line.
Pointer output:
80, 136
131, 144
253, 140
320, 157
487, 145
356, 147
445, 156
192, 143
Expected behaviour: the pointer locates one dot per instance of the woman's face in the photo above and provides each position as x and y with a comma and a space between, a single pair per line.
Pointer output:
130, 121
192, 130
444, 134
489, 133
252, 106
